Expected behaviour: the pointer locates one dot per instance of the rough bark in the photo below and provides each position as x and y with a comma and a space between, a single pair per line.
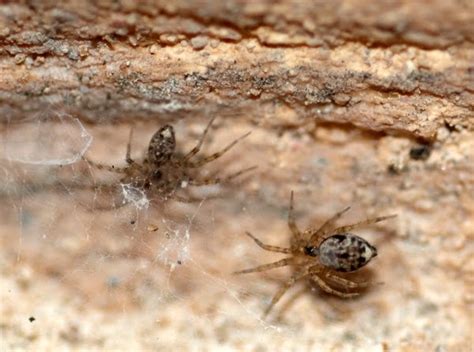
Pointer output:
402, 66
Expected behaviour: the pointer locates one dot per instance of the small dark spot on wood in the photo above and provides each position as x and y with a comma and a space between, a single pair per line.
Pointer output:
420, 152
31, 319
395, 169
157, 175
451, 128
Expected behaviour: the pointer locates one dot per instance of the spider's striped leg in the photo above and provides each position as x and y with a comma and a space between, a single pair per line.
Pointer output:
315, 272
111, 168
268, 247
219, 180
197, 148
128, 158
348, 228
291, 219
214, 156
297, 276
189, 198
265, 267
290, 301
326, 227
346, 283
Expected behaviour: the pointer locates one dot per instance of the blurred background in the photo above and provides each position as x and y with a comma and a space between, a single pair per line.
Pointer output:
367, 104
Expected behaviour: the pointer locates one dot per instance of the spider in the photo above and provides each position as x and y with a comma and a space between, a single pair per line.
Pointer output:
319, 254
164, 171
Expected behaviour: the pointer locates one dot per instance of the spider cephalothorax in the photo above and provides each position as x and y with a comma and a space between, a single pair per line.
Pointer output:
164, 171
319, 254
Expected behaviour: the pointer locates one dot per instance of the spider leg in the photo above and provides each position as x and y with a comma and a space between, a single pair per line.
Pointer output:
290, 301
113, 206
327, 225
110, 168
326, 288
346, 283
214, 156
268, 247
297, 276
196, 149
128, 158
348, 228
291, 219
218, 180
265, 267
188, 199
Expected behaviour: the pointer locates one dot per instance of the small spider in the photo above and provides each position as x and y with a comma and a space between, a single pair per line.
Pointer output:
164, 171
320, 254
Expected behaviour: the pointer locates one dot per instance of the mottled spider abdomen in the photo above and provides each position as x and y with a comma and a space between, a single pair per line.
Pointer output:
162, 146
345, 252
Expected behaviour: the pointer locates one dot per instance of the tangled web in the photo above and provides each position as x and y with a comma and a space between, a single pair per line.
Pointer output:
131, 255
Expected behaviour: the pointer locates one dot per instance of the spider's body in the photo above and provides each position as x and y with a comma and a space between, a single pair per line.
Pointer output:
164, 171
319, 254
162, 146
345, 252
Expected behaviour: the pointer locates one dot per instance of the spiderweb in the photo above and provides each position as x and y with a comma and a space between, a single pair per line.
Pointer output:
102, 266
131, 255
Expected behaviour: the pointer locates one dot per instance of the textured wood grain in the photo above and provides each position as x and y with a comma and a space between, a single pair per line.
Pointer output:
403, 66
